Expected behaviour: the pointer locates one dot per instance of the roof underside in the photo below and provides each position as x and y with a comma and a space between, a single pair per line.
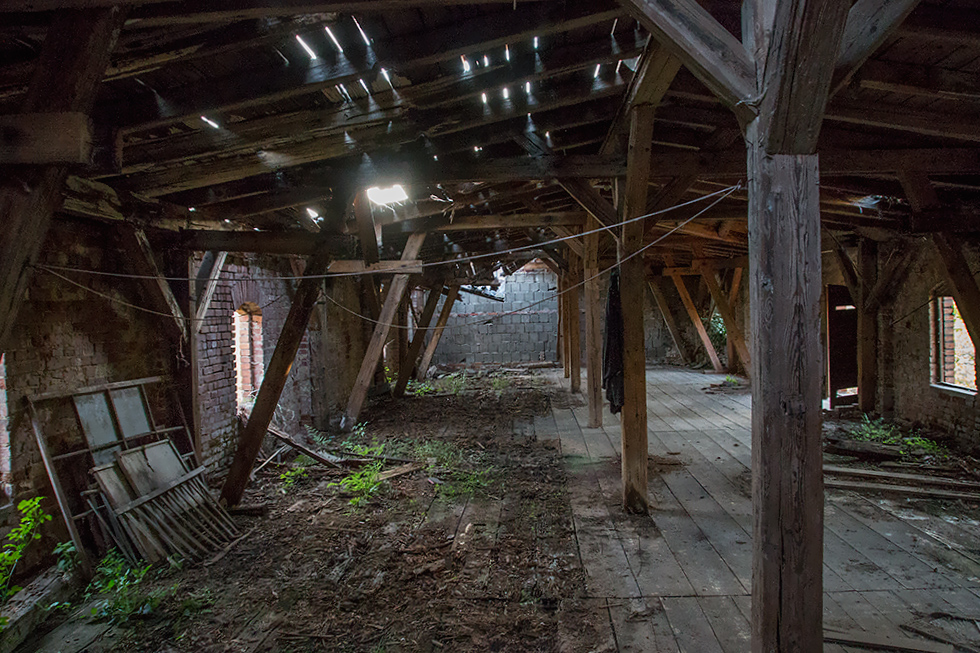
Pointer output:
224, 110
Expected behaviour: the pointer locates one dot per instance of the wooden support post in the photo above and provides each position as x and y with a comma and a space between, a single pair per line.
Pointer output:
573, 315
632, 281
867, 344
396, 291
369, 250
401, 334
733, 362
801, 39
593, 329
275, 377
430, 349
71, 66
664, 306
735, 335
692, 311
563, 321
421, 327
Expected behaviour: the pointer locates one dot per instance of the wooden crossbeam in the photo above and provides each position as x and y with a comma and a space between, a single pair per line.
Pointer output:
556, 220
867, 327
408, 361
848, 270
138, 250
692, 312
74, 57
735, 334
386, 317
891, 278
430, 349
46, 138
573, 315
211, 275
962, 282
870, 23
668, 315
259, 242
705, 47
653, 76
276, 374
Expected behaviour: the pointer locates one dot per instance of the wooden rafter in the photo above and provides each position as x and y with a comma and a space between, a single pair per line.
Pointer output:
407, 363
430, 349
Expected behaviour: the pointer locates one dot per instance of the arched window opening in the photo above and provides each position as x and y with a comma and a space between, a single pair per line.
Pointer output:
249, 363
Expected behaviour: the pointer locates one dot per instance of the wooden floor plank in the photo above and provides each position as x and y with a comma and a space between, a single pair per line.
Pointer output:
641, 626
691, 627
731, 628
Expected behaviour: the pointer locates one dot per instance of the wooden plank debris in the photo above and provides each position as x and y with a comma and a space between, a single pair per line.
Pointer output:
906, 490
883, 642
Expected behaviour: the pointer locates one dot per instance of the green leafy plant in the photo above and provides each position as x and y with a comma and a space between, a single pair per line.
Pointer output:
499, 384
468, 482
32, 516
717, 334
362, 484
420, 388
291, 477
119, 583
67, 556
731, 381
455, 383
318, 436
360, 429
877, 430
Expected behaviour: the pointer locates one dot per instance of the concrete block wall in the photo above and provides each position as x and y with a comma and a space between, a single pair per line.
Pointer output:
905, 374
532, 333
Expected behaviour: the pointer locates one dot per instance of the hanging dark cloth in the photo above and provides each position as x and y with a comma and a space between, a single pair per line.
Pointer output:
612, 354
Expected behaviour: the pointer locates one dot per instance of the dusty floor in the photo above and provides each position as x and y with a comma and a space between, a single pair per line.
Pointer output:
512, 539
474, 553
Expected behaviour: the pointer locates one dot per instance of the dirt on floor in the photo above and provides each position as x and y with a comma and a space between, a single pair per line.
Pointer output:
474, 552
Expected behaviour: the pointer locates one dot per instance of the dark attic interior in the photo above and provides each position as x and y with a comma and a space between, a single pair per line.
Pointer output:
489, 325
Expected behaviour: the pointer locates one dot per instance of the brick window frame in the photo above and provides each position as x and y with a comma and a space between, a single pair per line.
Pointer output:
249, 359
953, 356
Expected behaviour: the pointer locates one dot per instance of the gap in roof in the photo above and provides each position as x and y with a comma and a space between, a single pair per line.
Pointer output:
334, 39
386, 196
364, 36
308, 49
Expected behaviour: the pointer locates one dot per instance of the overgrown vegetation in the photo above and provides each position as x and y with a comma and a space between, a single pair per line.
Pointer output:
717, 334
362, 484
420, 388
454, 383
32, 516
118, 582
291, 477
910, 444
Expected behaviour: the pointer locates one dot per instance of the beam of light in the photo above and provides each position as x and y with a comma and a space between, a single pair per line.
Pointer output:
484, 96
308, 49
385, 196
527, 87
507, 52
191, 209
384, 73
210, 122
365, 86
506, 93
313, 214
435, 157
613, 30
486, 60
343, 92
466, 64
535, 43
618, 66
595, 75
334, 39
367, 41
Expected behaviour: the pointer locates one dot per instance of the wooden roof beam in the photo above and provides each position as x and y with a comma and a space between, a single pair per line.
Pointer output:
705, 47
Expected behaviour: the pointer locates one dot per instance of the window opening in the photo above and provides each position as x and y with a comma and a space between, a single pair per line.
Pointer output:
249, 362
953, 352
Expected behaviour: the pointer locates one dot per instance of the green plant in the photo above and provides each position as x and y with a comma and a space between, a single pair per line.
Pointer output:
715, 326
360, 429
118, 582
731, 381
195, 602
468, 482
28, 530
499, 384
455, 383
362, 484
420, 388
67, 556
291, 477
877, 430
318, 436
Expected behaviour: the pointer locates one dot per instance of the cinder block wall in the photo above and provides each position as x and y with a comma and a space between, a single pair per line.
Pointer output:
532, 333
904, 366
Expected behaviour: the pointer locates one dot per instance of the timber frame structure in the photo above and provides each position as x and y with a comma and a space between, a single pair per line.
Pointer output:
809, 125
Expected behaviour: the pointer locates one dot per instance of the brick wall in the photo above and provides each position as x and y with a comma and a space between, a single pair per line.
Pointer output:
254, 282
532, 333
905, 367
